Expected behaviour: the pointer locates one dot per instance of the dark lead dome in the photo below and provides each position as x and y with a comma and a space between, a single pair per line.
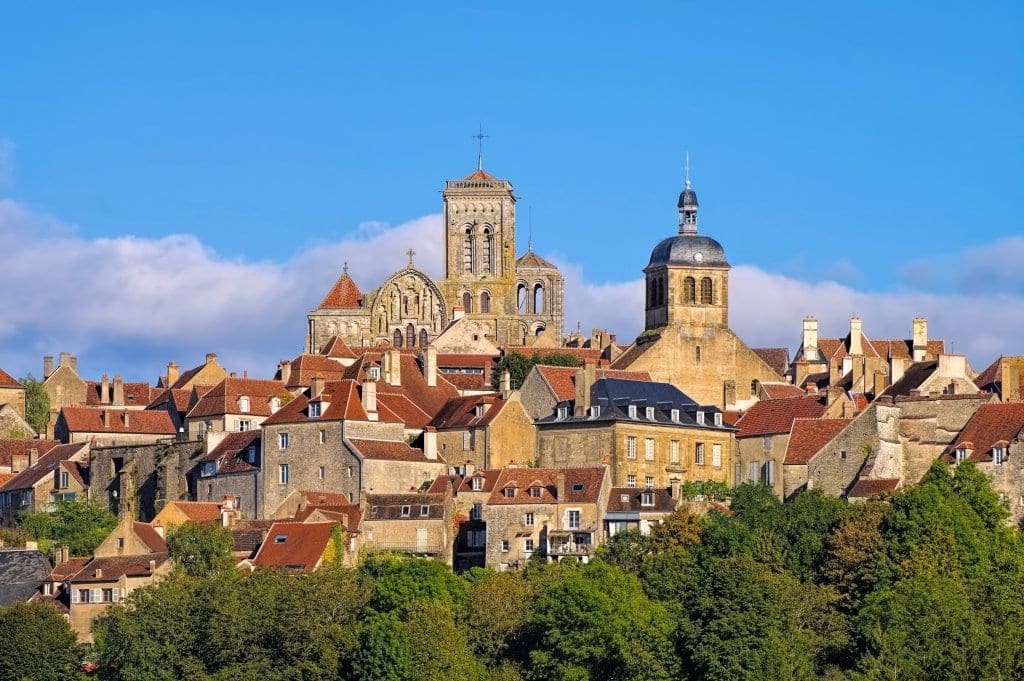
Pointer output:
687, 198
693, 250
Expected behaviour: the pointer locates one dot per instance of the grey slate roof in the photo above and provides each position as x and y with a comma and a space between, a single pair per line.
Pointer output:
21, 573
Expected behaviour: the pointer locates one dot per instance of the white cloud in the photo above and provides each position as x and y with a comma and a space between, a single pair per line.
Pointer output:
129, 304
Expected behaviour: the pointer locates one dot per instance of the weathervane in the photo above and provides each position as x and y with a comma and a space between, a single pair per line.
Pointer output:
479, 137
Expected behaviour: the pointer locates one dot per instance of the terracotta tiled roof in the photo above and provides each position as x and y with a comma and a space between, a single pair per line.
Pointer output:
344, 294
993, 424
177, 397
871, 487
149, 536
90, 420
337, 347
114, 568
808, 436
225, 397
198, 511
68, 568
489, 476
7, 381
480, 174
990, 376
386, 450
532, 260
562, 380
776, 358
343, 400
46, 464
135, 394
467, 381
630, 499
305, 367
904, 349
775, 391
773, 417
294, 546
8, 448
390, 506
347, 514
79, 470
582, 485
5, 478
312, 497
247, 535
230, 453
461, 412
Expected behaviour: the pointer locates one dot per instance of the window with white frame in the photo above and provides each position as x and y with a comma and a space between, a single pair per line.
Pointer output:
528, 545
536, 492
998, 455
243, 405
320, 473
650, 413
631, 410
510, 492
282, 474
631, 447
244, 425
649, 449
316, 409
716, 455
406, 510
469, 440
647, 498
282, 440
649, 481
754, 472
424, 510
63, 479
630, 481
673, 451
718, 418
698, 454
700, 418
528, 519
504, 545
675, 415
574, 519
477, 484
323, 437
961, 454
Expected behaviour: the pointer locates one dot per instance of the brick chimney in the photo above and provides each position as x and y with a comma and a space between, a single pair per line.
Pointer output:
118, 392
47, 366
855, 336
584, 379
173, 373
810, 339
104, 390
560, 486
211, 357
920, 331
430, 443
284, 367
316, 386
370, 399
430, 366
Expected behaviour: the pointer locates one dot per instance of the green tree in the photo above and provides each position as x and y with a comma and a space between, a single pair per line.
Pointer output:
519, 365
383, 653
439, 650
626, 550
80, 524
396, 580
37, 403
497, 608
37, 644
201, 549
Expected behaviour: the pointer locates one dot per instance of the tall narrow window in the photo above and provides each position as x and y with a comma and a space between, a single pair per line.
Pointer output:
652, 294
424, 339
707, 293
696, 354
521, 297
467, 301
690, 290
397, 340
538, 298
661, 291
410, 335
485, 302
467, 251
488, 252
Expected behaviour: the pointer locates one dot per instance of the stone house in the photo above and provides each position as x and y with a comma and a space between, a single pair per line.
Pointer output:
1004, 378
807, 436
16, 453
12, 393
177, 512
993, 440
763, 437
107, 426
234, 405
419, 524
637, 509
486, 430
470, 492
207, 374
62, 384
231, 468
70, 480
132, 556
545, 386
298, 374
136, 480
547, 514
32, 489
300, 546
650, 434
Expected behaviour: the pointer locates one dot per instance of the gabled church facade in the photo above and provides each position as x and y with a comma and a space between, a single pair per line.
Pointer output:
509, 301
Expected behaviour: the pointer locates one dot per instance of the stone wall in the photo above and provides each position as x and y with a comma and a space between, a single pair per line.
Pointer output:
835, 467
139, 479
752, 450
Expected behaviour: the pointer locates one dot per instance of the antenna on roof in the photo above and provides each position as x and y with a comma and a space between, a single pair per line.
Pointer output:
479, 137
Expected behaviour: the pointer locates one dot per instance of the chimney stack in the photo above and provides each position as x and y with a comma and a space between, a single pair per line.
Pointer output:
106, 419
506, 384
104, 390
810, 339
316, 386
585, 376
118, 392
284, 367
172, 373
1009, 374
855, 336
47, 366
859, 382
560, 486
19, 462
952, 366
370, 399
430, 366
879, 383
124, 417
458, 312
64, 553
920, 331
211, 357
152, 566
897, 365
430, 443
393, 367
33, 456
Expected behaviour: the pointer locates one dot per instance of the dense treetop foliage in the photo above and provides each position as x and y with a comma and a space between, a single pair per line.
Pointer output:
518, 365
80, 525
927, 584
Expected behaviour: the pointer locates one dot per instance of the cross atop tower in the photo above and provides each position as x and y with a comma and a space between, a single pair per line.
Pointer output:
410, 253
479, 137
344, 267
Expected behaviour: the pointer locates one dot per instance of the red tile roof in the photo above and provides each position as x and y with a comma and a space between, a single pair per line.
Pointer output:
342, 399
629, 499
337, 347
178, 397
775, 391
464, 361
480, 174
79, 470
230, 453
347, 514
115, 567
7, 381
198, 511
225, 397
386, 450
305, 367
582, 485
774, 417
872, 487
389, 506
344, 294
808, 436
323, 498
149, 536
993, 424
531, 259
562, 380
9, 447
90, 420
461, 412
135, 394
46, 464
467, 381
295, 546
776, 358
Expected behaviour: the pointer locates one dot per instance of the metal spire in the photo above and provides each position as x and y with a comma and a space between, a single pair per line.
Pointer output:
687, 168
479, 137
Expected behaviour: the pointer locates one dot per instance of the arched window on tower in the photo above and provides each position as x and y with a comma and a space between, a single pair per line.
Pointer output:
690, 290
652, 293
468, 246
538, 298
424, 339
397, 340
410, 336
467, 302
707, 293
488, 252
521, 296
696, 354
485, 302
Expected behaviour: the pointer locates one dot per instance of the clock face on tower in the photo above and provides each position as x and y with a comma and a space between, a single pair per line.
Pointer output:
698, 256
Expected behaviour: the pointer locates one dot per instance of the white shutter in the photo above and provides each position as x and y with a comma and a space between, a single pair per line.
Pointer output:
97, 596
116, 595
74, 595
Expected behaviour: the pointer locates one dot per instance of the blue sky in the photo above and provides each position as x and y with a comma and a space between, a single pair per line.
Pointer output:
876, 147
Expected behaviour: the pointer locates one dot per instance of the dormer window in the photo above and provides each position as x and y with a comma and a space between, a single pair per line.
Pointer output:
595, 411
650, 413
647, 498
961, 454
208, 468
374, 373
718, 418
998, 455
243, 405
477, 484
250, 454
700, 418
405, 511
315, 409
275, 404
624, 498
280, 539
424, 510
510, 492
563, 413
632, 411
536, 492
479, 410
675, 415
